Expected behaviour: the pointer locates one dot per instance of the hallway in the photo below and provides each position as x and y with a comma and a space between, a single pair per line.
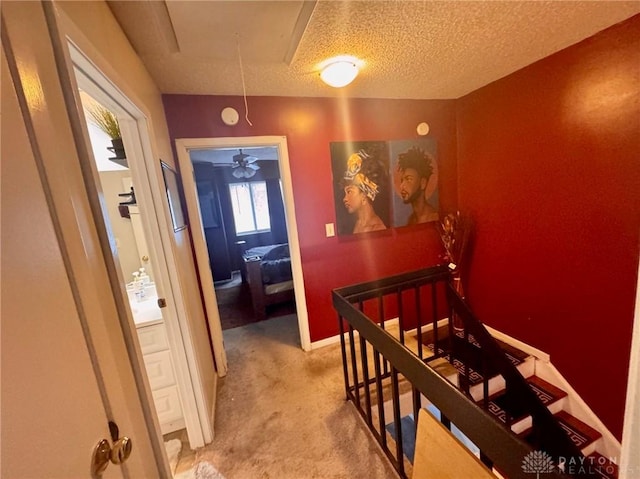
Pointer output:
281, 412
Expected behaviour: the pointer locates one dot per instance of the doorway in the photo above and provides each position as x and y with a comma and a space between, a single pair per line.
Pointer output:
124, 220
243, 215
144, 277
227, 148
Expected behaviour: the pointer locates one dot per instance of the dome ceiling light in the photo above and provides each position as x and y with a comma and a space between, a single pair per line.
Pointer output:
340, 71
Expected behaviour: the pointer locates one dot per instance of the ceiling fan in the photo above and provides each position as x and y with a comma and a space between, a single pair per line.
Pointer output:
244, 166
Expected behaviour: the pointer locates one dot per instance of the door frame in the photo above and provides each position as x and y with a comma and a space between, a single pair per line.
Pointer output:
183, 145
135, 132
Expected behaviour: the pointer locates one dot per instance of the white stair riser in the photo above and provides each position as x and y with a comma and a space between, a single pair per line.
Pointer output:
525, 423
522, 425
593, 447
497, 384
557, 406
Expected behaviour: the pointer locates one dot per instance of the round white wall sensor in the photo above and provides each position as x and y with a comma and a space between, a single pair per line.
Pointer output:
423, 128
229, 116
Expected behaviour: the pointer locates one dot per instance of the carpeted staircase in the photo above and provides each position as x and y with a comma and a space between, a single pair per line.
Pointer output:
506, 409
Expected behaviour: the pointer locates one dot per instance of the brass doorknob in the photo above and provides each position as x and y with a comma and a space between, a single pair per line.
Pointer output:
100, 458
145, 259
104, 453
121, 450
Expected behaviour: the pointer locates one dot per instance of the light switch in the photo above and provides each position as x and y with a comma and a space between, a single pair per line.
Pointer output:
330, 230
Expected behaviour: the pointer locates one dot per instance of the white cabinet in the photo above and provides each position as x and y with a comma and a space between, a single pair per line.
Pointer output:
161, 374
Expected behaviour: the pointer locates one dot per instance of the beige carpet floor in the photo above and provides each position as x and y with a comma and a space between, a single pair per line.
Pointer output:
281, 412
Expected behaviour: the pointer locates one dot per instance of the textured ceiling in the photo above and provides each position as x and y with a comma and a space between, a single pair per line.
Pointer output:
409, 49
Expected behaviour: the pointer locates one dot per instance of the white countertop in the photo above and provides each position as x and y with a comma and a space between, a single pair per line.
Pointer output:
147, 311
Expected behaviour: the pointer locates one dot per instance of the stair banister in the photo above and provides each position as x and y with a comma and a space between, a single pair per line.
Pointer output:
554, 440
496, 441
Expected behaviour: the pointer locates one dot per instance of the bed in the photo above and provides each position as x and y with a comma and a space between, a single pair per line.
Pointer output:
268, 273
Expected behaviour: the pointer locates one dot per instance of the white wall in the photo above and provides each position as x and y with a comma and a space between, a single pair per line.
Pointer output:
99, 143
128, 255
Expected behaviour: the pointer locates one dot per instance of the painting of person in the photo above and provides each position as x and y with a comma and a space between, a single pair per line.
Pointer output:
415, 180
360, 190
362, 182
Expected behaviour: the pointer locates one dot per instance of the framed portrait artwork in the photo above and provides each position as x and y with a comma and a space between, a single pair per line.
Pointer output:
383, 184
361, 186
414, 174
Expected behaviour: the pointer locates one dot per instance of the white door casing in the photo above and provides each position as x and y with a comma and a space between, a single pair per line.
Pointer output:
197, 410
183, 146
68, 364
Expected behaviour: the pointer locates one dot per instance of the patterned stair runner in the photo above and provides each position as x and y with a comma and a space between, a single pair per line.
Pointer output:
500, 405
472, 353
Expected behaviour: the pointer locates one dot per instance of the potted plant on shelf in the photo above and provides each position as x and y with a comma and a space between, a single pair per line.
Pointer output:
108, 123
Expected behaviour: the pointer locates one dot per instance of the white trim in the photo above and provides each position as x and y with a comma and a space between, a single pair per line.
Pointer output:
133, 124
577, 407
535, 352
321, 343
331, 340
388, 323
429, 327
630, 460
442, 322
183, 145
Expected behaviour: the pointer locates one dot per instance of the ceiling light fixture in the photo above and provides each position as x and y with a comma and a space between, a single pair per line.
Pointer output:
339, 73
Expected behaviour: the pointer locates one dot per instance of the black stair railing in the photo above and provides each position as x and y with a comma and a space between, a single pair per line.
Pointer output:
546, 434
379, 368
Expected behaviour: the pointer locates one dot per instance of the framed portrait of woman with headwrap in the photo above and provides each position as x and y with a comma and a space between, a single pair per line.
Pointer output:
361, 185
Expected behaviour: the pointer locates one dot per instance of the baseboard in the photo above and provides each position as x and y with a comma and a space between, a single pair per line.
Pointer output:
535, 352
388, 323
577, 407
505, 338
428, 327
212, 413
336, 339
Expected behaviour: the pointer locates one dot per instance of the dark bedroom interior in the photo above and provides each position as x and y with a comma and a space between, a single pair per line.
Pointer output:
242, 208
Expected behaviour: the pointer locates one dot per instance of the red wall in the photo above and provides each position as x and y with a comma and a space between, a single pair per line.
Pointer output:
547, 162
309, 125
549, 166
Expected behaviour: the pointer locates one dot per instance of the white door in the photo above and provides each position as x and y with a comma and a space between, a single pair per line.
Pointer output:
66, 362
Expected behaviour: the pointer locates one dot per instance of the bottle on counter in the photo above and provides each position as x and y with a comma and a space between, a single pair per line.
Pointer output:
144, 277
138, 286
